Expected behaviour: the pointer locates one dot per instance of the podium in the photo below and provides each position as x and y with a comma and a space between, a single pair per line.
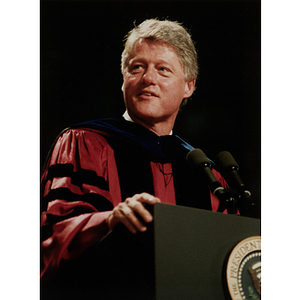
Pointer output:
201, 242
182, 255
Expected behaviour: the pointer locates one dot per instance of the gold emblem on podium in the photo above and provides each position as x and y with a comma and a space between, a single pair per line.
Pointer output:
244, 270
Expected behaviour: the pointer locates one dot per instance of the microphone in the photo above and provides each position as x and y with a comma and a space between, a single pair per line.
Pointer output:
227, 197
230, 168
199, 162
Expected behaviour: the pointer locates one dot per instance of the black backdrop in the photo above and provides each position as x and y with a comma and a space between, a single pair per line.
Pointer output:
81, 45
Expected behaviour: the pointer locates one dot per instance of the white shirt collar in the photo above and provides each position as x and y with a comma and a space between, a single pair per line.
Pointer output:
127, 117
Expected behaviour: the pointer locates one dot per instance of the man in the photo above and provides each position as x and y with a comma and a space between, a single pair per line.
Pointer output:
102, 173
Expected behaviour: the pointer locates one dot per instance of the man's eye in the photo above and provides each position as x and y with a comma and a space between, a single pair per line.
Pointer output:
135, 68
164, 69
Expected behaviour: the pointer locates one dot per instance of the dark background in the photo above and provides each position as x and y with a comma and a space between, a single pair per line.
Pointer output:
81, 45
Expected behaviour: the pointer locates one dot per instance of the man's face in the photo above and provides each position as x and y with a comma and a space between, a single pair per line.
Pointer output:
154, 84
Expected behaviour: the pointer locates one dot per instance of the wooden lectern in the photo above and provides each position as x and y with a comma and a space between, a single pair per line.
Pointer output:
183, 255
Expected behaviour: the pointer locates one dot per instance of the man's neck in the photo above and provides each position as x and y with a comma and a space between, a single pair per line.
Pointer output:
127, 117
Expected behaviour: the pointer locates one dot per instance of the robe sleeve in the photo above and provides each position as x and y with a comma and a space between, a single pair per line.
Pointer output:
78, 195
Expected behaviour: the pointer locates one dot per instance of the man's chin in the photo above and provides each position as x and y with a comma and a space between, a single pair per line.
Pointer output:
147, 112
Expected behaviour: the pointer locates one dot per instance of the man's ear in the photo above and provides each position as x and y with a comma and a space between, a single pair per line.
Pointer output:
189, 88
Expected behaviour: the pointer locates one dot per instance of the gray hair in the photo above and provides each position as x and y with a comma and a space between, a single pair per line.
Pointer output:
169, 32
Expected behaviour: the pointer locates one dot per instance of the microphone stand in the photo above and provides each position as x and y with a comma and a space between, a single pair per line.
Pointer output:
234, 201
228, 198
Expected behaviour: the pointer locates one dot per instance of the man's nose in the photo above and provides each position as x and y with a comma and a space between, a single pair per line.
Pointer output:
150, 76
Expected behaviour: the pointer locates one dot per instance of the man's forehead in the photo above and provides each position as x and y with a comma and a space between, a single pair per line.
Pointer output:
151, 45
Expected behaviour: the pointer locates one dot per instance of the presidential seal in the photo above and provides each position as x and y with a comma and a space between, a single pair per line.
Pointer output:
244, 270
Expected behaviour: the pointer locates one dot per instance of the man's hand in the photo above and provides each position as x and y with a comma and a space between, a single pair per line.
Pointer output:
127, 212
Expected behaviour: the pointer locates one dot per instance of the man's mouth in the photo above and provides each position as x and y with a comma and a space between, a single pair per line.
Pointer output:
148, 94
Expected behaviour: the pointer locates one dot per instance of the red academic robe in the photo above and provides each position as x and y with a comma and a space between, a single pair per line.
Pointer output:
80, 187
